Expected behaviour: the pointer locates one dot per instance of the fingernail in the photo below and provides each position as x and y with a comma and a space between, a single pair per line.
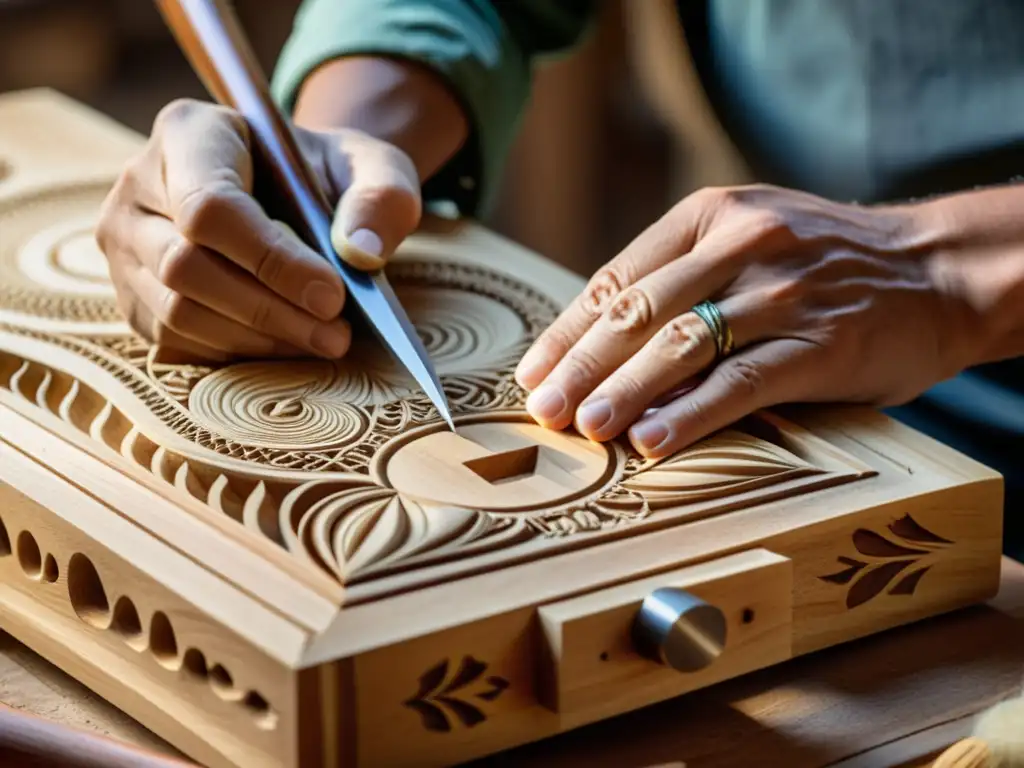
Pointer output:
364, 249
547, 403
322, 299
531, 369
329, 341
649, 434
591, 417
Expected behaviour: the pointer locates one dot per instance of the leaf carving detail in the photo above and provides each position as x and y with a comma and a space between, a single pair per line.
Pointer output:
431, 680
846, 575
498, 686
727, 463
433, 718
466, 712
361, 529
908, 584
874, 545
908, 529
470, 670
433, 702
874, 581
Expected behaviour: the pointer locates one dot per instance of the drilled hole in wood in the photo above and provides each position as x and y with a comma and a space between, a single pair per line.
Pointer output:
604, 656
50, 570
223, 684
85, 589
127, 624
748, 615
29, 556
5, 540
505, 466
162, 642
195, 663
265, 716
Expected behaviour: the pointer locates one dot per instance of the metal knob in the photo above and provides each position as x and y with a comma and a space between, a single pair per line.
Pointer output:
679, 630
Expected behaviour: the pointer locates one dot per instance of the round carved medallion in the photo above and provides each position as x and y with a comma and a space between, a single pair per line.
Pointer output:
496, 463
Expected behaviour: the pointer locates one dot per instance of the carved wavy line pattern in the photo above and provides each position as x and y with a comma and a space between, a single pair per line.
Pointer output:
358, 530
475, 359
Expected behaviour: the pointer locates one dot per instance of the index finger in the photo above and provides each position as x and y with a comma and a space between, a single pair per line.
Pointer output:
209, 183
673, 235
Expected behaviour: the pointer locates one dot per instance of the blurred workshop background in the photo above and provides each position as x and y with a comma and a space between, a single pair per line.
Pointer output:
614, 134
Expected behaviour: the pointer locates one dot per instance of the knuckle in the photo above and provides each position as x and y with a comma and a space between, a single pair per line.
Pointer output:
173, 310
785, 293
178, 111
261, 316
581, 367
683, 337
603, 287
630, 312
693, 413
743, 377
176, 264
556, 340
270, 265
201, 208
627, 388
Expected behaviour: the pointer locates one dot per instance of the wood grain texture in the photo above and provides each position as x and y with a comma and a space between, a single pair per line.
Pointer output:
266, 561
897, 699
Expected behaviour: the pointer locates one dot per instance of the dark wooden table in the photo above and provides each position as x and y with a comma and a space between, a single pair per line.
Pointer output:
896, 699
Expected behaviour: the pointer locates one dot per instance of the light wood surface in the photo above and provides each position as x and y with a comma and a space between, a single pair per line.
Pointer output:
896, 699
283, 563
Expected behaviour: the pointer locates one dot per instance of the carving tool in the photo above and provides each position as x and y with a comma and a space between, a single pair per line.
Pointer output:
212, 39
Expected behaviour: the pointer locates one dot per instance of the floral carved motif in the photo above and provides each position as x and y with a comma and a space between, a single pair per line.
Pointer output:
896, 564
441, 699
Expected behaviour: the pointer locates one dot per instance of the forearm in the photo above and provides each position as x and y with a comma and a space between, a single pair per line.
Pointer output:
978, 240
397, 101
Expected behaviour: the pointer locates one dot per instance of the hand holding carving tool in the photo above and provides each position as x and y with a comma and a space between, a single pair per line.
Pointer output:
212, 39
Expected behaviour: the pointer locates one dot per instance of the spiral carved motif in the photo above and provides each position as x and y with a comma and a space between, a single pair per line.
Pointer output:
50, 265
321, 405
283, 407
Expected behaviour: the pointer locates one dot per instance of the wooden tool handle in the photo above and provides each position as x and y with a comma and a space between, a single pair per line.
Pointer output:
212, 39
27, 740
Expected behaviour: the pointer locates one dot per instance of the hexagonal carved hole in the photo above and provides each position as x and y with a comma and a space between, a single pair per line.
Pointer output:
88, 597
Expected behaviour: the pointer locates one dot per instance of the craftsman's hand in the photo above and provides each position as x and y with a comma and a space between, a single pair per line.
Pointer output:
825, 302
199, 267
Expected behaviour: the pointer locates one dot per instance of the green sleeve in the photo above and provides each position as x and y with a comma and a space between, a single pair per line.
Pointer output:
485, 49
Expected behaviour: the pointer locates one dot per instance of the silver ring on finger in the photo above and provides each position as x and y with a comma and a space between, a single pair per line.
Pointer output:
721, 332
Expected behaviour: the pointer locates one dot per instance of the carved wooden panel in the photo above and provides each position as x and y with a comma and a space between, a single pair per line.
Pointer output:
299, 559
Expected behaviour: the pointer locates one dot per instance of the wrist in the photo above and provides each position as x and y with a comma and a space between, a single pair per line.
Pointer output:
395, 101
975, 246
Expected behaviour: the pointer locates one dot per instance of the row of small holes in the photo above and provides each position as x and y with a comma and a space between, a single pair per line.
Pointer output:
30, 558
89, 601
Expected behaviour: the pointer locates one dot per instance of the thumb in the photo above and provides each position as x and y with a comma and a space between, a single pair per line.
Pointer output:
380, 203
